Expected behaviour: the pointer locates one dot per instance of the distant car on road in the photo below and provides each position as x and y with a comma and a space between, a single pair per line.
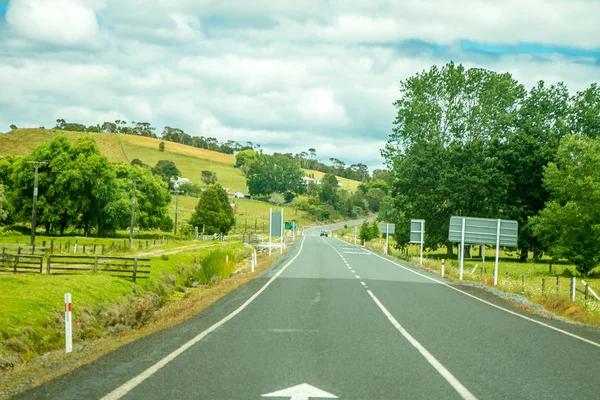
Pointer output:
324, 233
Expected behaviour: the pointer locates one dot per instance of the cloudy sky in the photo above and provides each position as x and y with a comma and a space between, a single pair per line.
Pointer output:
286, 74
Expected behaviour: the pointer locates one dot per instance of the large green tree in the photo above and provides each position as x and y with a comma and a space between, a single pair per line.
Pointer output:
213, 211
268, 174
542, 121
439, 155
3, 212
569, 225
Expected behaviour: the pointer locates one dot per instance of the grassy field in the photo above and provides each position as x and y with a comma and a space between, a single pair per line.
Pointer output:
513, 276
22, 141
32, 304
347, 184
250, 213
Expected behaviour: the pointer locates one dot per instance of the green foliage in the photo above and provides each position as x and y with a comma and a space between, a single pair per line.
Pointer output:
213, 211
375, 230
268, 174
208, 177
570, 223
440, 155
3, 212
161, 146
245, 157
276, 198
374, 197
166, 169
365, 232
190, 189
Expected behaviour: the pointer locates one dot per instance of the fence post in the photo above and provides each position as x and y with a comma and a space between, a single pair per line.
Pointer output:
60, 246
95, 264
94, 249
41, 264
124, 244
15, 264
33, 249
523, 281
587, 290
557, 285
146, 244
543, 286
102, 248
573, 289
139, 245
154, 242
19, 250
135, 265
52, 246
48, 264
83, 251
68, 245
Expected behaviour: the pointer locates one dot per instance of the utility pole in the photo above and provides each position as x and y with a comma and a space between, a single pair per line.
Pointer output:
36, 164
176, 192
132, 213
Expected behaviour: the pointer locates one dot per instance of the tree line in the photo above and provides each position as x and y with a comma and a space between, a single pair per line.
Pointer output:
473, 142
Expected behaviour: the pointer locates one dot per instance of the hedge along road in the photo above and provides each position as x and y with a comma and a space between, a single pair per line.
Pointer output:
335, 320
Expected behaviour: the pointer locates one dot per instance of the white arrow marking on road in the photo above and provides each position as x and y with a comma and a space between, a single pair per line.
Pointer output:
303, 391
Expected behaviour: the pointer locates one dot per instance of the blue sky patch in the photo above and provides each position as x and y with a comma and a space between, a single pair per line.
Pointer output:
529, 48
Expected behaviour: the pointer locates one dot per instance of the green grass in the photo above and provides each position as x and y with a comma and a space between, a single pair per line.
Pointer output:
257, 213
33, 304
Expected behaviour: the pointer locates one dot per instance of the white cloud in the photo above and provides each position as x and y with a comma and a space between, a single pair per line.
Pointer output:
57, 22
316, 74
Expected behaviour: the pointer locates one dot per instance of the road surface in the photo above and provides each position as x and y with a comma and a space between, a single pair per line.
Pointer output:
333, 320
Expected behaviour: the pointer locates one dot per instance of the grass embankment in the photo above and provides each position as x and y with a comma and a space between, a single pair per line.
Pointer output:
524, 278
31, 316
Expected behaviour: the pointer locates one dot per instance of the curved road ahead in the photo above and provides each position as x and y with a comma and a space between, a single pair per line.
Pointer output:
333, 320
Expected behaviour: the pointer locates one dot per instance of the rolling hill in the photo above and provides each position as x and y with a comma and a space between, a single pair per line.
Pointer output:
117, 147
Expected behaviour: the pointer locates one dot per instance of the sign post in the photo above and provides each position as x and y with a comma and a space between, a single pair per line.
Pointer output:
68, 324
281, 236
498, 232
417, 234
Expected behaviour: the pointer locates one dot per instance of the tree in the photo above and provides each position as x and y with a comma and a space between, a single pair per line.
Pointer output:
213, 211
541, 122
569, 225
161, 146
268, 174
3, 212
208, 177
375, 230
440, 154
245, 157
365, 233
374, 197
328, 190
166, 169
152, 198
13, 127
277, 198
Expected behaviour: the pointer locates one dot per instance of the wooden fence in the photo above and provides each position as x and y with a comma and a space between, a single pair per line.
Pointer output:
19, 263
136, 268
22, 249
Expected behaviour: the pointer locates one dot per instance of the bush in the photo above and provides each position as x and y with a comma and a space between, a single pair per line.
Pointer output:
23, 230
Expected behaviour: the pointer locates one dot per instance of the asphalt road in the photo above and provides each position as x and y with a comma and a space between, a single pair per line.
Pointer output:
342, 321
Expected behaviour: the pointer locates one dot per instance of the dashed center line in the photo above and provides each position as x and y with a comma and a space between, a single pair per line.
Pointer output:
357, 277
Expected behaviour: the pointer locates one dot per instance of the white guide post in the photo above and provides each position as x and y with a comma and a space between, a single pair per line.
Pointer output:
68, 324
282, 233
387, 234
442, 268
270, 230
422, 239
462, 248
497, 253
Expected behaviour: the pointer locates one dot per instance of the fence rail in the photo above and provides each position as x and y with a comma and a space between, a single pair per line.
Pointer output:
21, 249
137, 268
21, 263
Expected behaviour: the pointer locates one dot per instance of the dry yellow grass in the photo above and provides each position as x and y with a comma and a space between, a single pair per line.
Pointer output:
347, 184
22, 141
177, 148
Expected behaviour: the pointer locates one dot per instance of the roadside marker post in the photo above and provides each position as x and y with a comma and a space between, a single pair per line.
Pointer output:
497, 253
282, 233
270, 228
68, 324
442, 268
462, 249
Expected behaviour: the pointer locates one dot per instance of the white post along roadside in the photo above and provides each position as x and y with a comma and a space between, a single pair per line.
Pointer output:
422, 240
270, 227
68, 324
387, 234
497, 253
462, 248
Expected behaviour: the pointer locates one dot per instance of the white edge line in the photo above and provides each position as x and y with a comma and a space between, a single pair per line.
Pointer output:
488, 303
132, 383
447, 375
